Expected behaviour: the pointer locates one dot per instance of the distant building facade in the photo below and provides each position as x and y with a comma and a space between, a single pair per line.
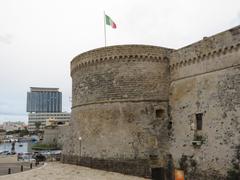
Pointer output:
12, 126
45, 118
44, 104
44, 100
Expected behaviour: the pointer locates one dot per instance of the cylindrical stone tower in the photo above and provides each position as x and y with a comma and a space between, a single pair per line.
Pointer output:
120, 108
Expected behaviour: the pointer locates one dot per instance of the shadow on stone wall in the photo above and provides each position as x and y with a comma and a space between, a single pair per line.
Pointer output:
130, 167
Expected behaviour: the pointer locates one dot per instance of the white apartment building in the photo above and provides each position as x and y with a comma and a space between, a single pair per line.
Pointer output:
44, 118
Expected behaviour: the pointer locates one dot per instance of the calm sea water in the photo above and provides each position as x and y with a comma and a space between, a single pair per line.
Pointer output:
26, 147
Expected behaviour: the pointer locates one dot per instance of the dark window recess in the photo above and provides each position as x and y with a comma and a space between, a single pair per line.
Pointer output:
199, 120
170, 125
159, 113
158, 173
153, 156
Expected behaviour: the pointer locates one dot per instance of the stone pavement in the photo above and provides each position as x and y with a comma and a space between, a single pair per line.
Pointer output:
9, 161
59, 171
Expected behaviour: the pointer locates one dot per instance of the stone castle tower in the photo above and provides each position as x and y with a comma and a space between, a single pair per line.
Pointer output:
137, 108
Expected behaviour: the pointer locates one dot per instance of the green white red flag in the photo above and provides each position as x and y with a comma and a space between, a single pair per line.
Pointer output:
110, 22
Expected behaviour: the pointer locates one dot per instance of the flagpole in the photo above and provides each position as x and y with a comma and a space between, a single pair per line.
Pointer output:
105, 36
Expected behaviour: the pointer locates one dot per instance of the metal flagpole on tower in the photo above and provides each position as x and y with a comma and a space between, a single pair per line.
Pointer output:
105, 37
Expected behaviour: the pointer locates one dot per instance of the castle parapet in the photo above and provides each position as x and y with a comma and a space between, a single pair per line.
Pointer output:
120, 53
120, 73
210, 54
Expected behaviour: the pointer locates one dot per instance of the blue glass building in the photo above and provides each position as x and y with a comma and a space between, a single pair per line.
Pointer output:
44, 100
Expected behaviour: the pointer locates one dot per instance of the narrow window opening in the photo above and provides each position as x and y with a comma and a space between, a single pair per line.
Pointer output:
199, 120
159, 113
170, 125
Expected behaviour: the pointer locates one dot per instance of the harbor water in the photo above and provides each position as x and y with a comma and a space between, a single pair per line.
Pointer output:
20, 147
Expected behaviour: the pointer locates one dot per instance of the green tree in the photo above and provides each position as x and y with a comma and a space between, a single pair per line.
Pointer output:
37, 126
23, 132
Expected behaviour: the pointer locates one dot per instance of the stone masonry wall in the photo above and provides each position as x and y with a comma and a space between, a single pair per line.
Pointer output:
132, 72
56, 135
120, 106
121, 81
121, 130
216, 96
211, 54
135, 103
205, 78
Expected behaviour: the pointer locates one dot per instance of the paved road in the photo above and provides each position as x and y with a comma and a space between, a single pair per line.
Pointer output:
59, 171
11, 162
15, 167
8, 159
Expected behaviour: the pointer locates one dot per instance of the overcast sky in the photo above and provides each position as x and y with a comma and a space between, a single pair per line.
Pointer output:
39, 38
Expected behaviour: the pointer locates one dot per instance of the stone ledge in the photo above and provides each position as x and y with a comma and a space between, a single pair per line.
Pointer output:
120, 53
121, 101
206, 56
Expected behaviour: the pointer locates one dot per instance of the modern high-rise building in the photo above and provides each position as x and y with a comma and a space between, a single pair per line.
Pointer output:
44, 104
44, 100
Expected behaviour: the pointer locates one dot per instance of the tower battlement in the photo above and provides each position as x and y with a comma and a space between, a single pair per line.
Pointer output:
120, 53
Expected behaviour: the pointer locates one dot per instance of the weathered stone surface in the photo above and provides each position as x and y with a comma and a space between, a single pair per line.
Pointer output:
125, 78
209, 85
138, 167
56, 135
130, 131
136, 102
216, 95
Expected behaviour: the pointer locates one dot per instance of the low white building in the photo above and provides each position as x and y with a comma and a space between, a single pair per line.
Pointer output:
46, 118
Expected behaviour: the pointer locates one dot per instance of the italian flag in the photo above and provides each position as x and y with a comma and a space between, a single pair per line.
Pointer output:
110, 22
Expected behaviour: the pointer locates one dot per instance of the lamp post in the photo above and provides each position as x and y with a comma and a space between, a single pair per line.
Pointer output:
80, 145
